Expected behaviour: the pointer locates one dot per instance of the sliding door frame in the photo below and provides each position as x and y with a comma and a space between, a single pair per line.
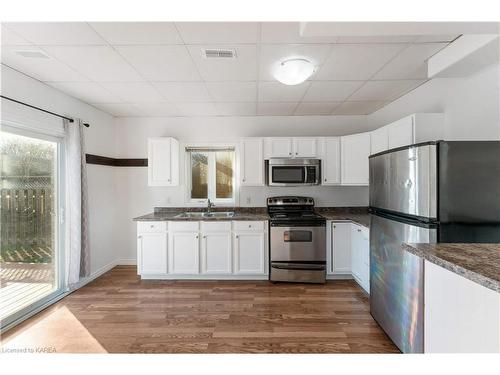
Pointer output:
59, 253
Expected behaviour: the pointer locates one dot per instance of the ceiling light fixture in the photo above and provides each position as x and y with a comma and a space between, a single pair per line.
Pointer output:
293, 71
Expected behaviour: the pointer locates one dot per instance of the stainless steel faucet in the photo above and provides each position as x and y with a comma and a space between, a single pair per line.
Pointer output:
209, 206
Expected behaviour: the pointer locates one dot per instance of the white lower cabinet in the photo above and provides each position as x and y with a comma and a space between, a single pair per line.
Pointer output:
249, 253
460, 315
341, 247
360, 256
192, 249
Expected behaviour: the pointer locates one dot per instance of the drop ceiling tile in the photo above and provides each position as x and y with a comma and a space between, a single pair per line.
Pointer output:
376, 39
236, 109
278, 92
89, 92
10, 38
232, 91
219, 32
276, 109
161, 63
358, 108
384, 90
43, 69
99, 63
411, 63
331, 91
197, 109
183, 91
289, 32
57, 33
162, 109
356, 61
132, 92
316, 108
271, 55
119, 109
145, 33
241, 68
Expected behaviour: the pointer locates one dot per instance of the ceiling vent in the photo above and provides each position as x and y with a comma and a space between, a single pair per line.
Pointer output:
219, 53
31, 54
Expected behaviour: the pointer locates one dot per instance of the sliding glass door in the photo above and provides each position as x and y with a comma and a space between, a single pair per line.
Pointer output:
30, 258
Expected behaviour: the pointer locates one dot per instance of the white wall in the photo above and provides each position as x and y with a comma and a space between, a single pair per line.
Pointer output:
471, 105
99, 140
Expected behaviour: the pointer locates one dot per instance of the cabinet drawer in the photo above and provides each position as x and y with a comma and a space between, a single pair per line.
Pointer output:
184, 226
248, 226
151, 226
221, 226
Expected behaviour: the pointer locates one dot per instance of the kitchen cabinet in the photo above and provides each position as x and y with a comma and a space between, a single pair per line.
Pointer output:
152, 248
341, 247
360, 256
330, 166
202, 249
216, 249
279, 147
460, 315
163, 161
305, 147
283, 147
355, 150
183, 248
400, 133
252, 162
379, 140
249, 253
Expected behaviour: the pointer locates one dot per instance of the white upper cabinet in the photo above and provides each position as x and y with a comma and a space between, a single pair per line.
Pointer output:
416, 128
279, 147
379, 140
355, 150
282, 147
305, 147
252, 162
330, 167
163, 161
400, 133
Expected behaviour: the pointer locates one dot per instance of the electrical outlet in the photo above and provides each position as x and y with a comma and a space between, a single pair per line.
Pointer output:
249, 200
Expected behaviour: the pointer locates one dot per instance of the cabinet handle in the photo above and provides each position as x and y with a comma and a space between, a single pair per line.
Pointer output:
334, 227
359, 230
139, 236
197, 236
237, 236
244, 180
151, 226
204, 236
296, 153
325, 179
290, 153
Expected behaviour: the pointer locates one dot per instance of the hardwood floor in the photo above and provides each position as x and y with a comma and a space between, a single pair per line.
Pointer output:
119, 313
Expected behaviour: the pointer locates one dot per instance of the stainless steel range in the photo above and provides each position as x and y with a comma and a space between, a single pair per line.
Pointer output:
297, 240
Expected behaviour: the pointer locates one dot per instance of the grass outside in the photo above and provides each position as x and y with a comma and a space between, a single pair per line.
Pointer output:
25, 254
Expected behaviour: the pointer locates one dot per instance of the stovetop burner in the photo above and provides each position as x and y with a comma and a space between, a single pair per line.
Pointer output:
292, 209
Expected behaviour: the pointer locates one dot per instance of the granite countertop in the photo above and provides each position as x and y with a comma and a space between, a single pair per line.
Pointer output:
358, 215
477, 262
169, 214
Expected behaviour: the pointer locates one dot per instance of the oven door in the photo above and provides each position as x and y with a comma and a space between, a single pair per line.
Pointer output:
298, 243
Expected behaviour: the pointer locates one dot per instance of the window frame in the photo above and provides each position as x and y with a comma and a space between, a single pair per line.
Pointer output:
224, 202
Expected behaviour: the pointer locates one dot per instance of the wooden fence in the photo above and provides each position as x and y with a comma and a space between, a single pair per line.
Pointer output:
26, 225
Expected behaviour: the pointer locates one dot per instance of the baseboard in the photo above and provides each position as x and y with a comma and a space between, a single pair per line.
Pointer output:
205, 277
346, 276
95, 275
126, 262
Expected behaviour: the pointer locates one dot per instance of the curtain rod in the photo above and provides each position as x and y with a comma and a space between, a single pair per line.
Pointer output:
41, 109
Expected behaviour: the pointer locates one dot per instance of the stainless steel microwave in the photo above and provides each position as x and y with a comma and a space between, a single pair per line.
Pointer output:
293, 172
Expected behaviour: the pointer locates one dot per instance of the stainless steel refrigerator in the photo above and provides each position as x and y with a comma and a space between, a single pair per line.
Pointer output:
425, 193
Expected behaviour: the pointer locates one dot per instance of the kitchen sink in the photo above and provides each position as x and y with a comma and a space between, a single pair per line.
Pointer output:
217, 214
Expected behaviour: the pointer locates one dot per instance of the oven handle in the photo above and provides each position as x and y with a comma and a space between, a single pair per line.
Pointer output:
299, 266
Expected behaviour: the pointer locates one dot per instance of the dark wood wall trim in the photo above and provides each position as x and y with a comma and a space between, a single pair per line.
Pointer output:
112, 162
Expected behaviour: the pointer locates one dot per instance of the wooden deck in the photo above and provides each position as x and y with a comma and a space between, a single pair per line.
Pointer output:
119, 313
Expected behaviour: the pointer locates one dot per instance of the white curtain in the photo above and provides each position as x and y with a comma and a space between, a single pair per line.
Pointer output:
77, 237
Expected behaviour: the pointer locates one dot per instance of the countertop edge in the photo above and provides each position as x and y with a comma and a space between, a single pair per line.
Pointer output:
455, 268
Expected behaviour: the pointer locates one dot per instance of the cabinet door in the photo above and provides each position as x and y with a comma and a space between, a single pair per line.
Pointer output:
249, 253
355, 150
163, 161
252, 162
365, 259
183, 253
341, 247
280, 147
400, 133
216, 253
152, 254
379, 140
305, 147
331, 162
